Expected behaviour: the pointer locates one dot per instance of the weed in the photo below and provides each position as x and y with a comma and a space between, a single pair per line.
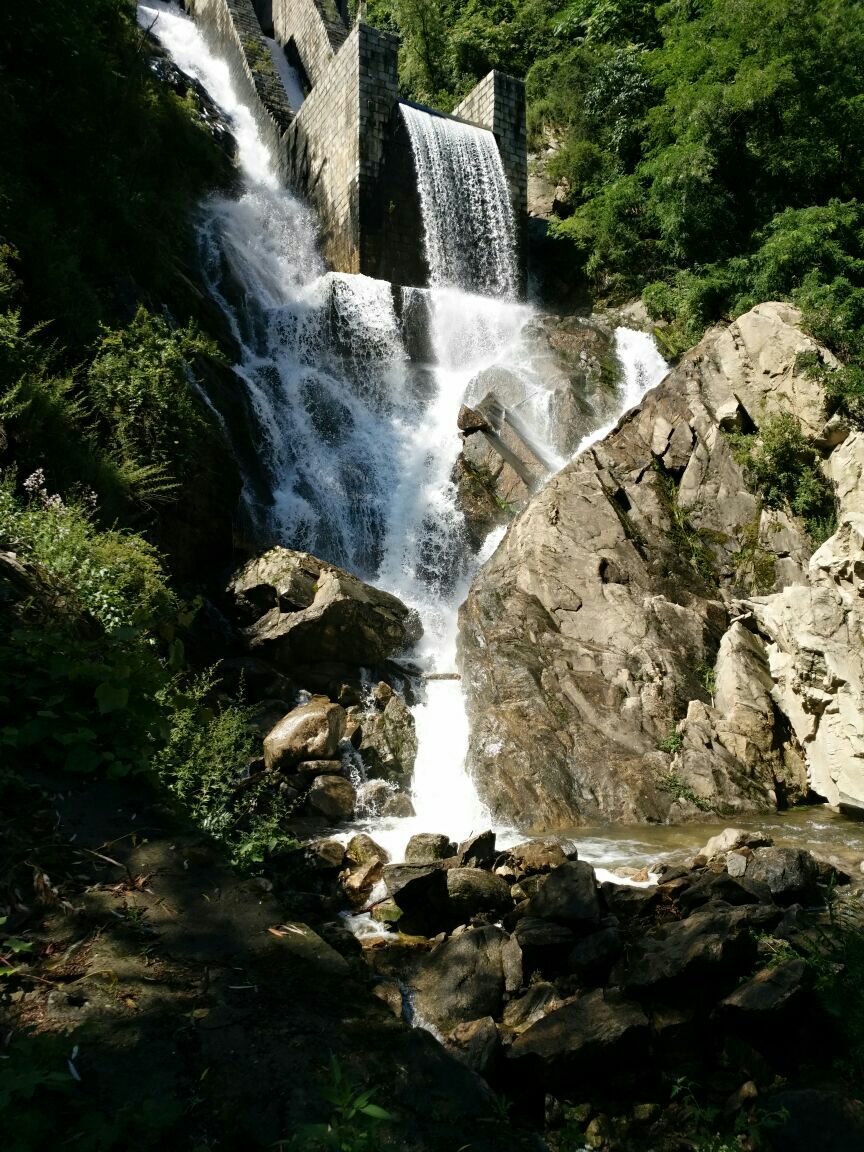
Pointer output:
10, 947
673, 743
671, 782
689, 542
353, 1123
708, 678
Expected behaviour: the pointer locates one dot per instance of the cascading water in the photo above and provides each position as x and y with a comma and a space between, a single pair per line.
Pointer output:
357, 444
468, 224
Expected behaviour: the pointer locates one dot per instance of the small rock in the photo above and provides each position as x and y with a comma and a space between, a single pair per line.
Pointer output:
381, 693
373, 795
386, 912
599, 1132
770, 989
364, 876
362, 848
307, 770
736, 863
645, 1113
389, 992
427, 847
477, 851
470, 420
731, 838
475, 1043
538, 856
332, 796
399, 806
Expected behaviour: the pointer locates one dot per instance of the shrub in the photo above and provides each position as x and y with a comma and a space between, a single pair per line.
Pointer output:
785, 470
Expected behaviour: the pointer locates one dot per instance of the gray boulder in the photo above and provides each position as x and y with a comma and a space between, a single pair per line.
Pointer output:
584, 639
301, 610
584, 1038
427, 847
791, 874
310, 732
466, 977
472, 891
332, 796
569, 896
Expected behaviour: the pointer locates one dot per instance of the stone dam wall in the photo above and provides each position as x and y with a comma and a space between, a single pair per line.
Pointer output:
346, 148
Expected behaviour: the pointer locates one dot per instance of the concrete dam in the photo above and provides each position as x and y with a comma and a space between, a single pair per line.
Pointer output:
326, 99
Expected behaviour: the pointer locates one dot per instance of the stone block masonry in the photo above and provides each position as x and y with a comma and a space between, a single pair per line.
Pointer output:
347, 150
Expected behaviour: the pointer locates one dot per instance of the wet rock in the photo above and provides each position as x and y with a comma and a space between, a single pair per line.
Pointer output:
362, 848
310, 732
707, 947
372, 796
299, 609
732, 838
569, 896
332, 796
470, 420
586, 1037
387, 912
388, 744
398, 805
791, 874
472, 891
427, 847
463, 979
475, 1043
477, 851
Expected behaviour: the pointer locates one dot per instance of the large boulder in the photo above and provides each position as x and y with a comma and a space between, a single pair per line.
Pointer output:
588, 641
388, 743
471, 891
299, 610
586, 1037
466, 977
311, 732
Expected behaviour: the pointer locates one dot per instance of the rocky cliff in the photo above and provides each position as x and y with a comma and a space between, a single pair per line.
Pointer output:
650, 640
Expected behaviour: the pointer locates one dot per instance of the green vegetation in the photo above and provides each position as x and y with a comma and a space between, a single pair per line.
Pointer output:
354, 1122
688, 541
712, 151
784, 468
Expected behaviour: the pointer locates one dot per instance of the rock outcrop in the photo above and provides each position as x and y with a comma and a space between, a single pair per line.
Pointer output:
299, 610
650, 641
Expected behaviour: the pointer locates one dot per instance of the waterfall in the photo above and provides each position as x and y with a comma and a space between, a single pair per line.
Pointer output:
468, 223
356, 443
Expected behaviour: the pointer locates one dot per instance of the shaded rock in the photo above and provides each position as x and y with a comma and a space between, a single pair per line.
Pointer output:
300, 609
463, 979
362, 848
421, 892
813, 1120
791, 874
475, 1043
592, 957
427, 847
310, 732
585, 1037
729, 889
544, 944
769, 990
532, 1006
386, 912
710, 945
477, 851
472, 891
363, 877
569, 896
307, 770
629, 902
332, 796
